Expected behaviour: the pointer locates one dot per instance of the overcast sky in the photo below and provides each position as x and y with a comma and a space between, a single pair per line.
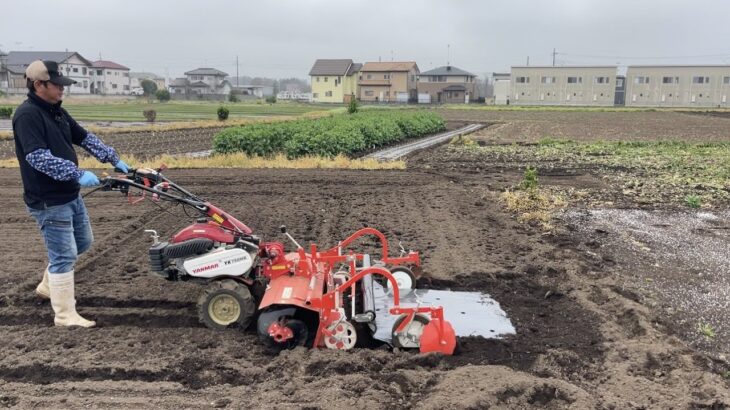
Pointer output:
283, 38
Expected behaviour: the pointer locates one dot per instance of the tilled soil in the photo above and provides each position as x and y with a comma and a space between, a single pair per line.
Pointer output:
150, 350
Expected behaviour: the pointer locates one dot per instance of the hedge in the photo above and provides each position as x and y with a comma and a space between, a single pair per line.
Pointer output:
328, 137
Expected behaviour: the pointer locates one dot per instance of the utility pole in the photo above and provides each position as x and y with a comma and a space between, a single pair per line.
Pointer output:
448, 54
554, 54
236, 70
528, 61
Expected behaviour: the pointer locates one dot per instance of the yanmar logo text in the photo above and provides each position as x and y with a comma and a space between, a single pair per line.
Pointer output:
205, 268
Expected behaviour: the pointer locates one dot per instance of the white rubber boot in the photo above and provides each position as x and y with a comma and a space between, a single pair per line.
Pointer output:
61, 287
42, 289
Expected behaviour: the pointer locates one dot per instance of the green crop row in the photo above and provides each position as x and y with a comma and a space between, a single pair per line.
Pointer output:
343, 134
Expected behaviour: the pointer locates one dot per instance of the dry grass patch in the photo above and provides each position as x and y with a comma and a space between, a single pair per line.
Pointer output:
534, 206
240, 160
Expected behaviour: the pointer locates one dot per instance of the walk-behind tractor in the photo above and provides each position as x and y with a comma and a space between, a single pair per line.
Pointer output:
335, 298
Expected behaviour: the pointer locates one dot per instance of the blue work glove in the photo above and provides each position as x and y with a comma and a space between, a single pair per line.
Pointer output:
122, 166
88, 179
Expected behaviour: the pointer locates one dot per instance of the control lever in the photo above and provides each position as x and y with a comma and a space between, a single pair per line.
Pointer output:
283, 230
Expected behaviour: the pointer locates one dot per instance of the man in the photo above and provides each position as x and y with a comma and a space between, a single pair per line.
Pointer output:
44, 133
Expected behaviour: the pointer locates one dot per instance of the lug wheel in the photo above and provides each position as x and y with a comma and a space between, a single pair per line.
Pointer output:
226, 303
344, 336
405, 279
410, 338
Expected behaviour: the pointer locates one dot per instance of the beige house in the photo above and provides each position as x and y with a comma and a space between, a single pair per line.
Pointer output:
394, 81
567, 85
446, 84
678, 86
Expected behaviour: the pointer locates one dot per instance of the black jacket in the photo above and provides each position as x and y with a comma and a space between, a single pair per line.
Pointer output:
40, 125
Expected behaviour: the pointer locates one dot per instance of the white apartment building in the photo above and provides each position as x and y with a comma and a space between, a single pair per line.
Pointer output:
563, 85
678, 86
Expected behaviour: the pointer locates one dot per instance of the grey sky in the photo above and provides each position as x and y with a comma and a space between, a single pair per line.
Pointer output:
283, 38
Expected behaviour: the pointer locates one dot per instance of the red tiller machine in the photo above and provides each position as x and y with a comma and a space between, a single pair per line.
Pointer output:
336, 298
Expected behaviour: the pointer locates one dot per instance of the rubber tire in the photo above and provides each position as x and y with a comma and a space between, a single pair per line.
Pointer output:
417, 318
405, 270
239, 292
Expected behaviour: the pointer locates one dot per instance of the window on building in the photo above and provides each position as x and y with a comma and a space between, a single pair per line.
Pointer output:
575, 80
315, 95
619, 82
601, 80
317, 79
114, 86
126, 88
328, 94
368, 93
386, 76
76, 70
86, 84
726, 80
83, 70
639, 79
522, 80
99, 72
369, 76
325, 79
700, 80
548, 80
670, 80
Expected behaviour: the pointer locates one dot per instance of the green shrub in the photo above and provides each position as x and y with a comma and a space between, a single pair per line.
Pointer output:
150, 115
693, 201
353, 106
162, 95
233, 98
271, 99
6, 112
330, 136
223, 113
529, 179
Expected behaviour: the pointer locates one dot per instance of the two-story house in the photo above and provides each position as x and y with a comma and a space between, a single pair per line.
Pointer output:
447, 84
394, 81
202, 83
334, 81
109, 78
70, 63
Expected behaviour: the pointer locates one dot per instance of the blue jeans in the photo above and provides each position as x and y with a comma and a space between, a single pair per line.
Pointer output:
66, 230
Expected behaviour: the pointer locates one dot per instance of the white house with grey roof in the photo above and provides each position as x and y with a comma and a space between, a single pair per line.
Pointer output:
70, 63
201, 83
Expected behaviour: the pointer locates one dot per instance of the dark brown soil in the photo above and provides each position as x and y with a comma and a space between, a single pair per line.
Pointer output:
584, 340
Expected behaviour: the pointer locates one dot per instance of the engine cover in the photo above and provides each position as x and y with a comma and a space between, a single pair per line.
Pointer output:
219, 262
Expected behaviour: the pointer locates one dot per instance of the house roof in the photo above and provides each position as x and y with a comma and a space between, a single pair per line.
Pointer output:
206, 71
179, 82
151, 76
330, 67
27, 57
16, 69
199, 84
108, 64
390, 66
448, 70
354, 68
